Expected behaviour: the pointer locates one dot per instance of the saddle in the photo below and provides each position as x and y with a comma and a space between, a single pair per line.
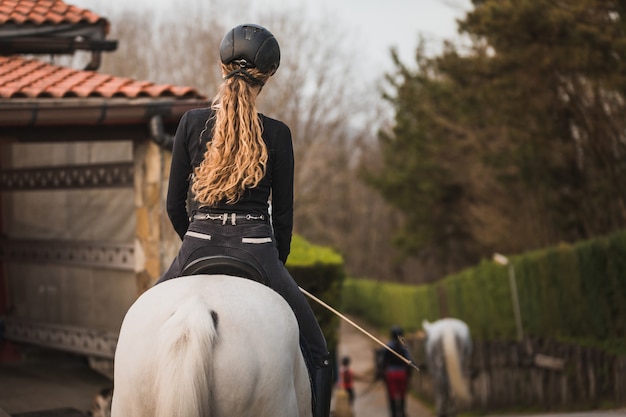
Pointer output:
227, 265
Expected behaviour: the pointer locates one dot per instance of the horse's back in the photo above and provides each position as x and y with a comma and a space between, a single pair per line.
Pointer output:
248, 346
435, 329
447, 328
448, 346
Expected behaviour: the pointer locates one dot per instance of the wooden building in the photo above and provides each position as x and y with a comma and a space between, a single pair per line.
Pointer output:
83, 169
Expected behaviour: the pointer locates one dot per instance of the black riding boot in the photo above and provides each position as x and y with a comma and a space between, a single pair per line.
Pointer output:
323, 386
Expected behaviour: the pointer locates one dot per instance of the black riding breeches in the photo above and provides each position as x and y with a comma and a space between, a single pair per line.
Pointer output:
254, 243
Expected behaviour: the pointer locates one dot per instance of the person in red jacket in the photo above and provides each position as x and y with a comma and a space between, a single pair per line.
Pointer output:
346, 378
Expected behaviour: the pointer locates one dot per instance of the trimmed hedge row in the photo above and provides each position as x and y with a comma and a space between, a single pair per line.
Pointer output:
567, 292
320, 271
383, 304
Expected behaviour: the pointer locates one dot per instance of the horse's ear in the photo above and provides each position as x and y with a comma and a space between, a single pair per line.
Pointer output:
425, 325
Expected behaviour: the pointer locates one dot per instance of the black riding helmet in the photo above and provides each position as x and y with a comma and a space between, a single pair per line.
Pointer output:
396, 331
253, 45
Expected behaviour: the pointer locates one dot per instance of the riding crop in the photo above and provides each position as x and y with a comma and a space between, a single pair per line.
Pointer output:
362, 330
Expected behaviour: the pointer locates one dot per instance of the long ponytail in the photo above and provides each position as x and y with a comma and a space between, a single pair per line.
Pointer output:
236, 156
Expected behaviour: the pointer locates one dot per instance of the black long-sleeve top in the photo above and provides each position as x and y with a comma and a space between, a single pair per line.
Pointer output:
192, 135
391, 360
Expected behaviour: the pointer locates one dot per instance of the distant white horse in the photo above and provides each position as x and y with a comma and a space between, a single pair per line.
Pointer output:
210, 346
448, 350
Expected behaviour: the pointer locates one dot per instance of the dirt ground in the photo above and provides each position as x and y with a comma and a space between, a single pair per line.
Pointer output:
38, 380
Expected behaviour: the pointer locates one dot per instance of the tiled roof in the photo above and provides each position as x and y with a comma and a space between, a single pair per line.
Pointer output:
29, 78
44, 12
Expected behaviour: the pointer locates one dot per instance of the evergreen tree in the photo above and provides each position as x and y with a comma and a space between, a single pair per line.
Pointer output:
518, 144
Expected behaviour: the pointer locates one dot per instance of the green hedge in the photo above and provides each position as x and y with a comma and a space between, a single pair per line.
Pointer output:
320, 271
386, 304
568, 292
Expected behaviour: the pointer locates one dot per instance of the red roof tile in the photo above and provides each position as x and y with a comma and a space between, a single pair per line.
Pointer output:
29, 78
45, 12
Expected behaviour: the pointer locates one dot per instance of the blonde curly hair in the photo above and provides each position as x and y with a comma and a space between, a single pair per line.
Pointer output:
236, 156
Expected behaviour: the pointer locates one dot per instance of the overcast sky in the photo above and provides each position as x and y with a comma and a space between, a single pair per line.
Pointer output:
387, 23
381, 23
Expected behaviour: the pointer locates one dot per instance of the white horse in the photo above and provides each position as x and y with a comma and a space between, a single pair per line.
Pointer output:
210, 346
448, 350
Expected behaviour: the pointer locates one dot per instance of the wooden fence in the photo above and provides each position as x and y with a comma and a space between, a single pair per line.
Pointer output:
536, 374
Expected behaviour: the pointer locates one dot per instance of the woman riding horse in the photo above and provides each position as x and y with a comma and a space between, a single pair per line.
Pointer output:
234, 159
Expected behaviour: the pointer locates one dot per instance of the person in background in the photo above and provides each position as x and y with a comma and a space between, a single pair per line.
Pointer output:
346, 378
396, 372
233, 159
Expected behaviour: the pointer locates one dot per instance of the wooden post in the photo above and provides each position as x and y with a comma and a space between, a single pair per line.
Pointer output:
148, 208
